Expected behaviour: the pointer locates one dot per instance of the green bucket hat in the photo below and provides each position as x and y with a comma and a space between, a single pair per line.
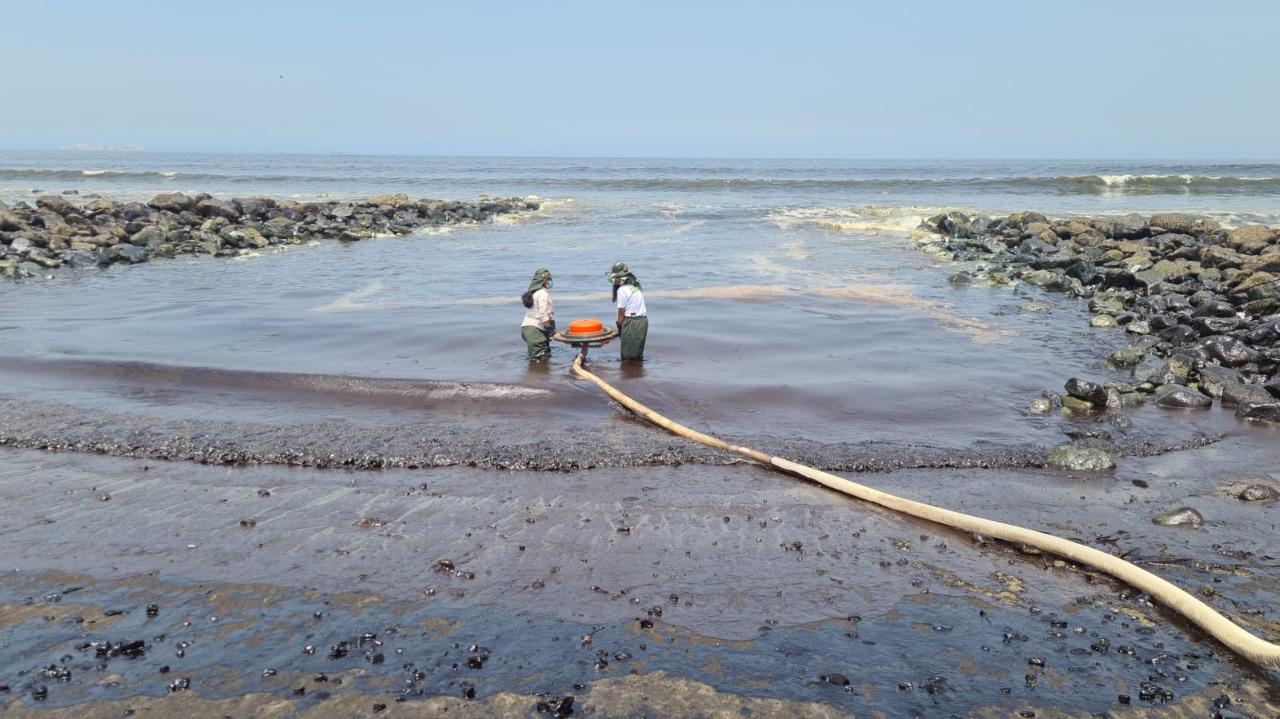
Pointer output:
621, 274
540, 277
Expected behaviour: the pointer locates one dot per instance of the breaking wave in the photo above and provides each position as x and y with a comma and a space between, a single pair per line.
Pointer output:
1100, 184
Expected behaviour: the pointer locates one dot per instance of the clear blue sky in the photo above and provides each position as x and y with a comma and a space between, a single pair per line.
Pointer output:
787, 79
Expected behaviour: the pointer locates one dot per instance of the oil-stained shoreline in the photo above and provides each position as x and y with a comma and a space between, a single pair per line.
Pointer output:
506, 444
679, 590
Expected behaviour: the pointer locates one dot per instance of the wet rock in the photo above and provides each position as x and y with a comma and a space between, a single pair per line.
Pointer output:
1080, 459
1268, 411
1103, 321
1075, 405
559, 707
1091, 392
1257, 493
1127, 356
1180, 517
1213, 378
1182, 397
1228, 351
1138, 327
1236, 393
839, 680
1040, 405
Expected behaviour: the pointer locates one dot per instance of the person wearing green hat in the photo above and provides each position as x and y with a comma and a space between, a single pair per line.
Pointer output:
633, 315
539, 316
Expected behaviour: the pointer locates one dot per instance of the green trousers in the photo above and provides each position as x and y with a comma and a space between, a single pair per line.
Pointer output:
538, 341
634, 332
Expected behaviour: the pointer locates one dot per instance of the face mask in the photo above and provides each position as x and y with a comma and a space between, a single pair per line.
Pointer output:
550, 284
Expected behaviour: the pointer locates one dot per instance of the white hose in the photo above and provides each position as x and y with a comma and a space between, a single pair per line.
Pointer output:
1236, 638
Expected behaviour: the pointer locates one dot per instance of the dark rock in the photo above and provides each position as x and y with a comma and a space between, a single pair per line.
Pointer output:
1229, 352
1217, 325
174, 202
217, 208
1091, 392
1213, 378
1182, 397
56, 204
1262, 411
1236, 394
1214, 308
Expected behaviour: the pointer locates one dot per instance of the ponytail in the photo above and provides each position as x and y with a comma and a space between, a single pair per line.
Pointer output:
527, 300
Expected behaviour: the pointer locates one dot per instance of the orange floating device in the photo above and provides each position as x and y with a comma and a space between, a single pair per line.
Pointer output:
585, 327
586, 333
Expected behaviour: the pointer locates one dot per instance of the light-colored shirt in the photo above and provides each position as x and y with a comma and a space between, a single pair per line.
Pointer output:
631, 301
541, 313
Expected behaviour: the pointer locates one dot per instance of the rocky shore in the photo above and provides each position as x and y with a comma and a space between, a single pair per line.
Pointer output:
1199, 304
57, 232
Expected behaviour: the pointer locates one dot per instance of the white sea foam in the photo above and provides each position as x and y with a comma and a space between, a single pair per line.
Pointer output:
855, 220
1122, 180
546, 208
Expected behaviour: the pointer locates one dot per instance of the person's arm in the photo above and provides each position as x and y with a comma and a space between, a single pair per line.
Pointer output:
544, 309
621, 314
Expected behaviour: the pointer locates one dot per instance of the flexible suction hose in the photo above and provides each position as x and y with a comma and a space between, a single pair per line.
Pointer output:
1236, 638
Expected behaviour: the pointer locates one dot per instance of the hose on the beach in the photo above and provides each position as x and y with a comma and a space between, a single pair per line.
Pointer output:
1236, 638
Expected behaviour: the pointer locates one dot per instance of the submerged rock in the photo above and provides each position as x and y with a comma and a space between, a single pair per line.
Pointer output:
1127, 356
1180, 517
1257, 493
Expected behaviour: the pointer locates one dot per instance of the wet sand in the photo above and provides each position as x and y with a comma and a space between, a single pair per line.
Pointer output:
656, 591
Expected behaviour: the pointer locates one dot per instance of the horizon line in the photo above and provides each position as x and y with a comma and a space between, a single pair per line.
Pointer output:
469, 156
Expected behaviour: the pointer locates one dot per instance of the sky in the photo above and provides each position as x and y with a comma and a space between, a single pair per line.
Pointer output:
1084, 79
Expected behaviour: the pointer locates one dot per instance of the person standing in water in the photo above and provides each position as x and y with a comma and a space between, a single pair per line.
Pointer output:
633, 315
539, 316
